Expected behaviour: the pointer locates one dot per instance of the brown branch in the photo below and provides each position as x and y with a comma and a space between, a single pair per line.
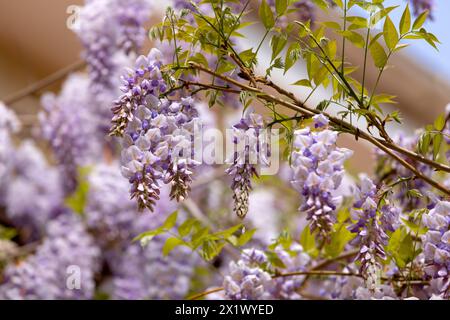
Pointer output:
340, 124
41, 84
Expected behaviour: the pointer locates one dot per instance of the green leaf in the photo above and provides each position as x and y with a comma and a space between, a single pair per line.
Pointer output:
292, 55
354, 37
416, 229
170, 244
308, 242
439, 123
185, 228
332, 25
228, 232
401, 247
170, 221
338, 240
281, 6
245, 237
405, 21
77, 201
420, 20
437, 141
378, 54
424, 143
278, 43
266, 15
274, 260
303, 83
390, 33
7, 233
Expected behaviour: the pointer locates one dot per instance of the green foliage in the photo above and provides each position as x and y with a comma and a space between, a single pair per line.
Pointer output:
266, 15
308, 242
401, 247
192, 234
77, 200
340, 236
7, 233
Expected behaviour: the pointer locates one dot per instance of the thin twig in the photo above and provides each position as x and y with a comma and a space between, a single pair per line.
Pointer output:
41, 84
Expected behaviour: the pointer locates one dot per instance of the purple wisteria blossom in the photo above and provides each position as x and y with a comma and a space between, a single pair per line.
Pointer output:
318, 166
294, 260
250, 151
158, 134
437, 244
246, 279
143, 273
9, 124
422, 5
371, 235
67, 248
107, 28
33, 192
70, 127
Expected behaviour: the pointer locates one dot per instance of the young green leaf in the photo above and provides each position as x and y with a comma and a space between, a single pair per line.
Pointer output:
278, 43
170, 221
245, 237
405, 21
378, 54
170, 244
303, 83
281, 6
390, 33
420, 20
266, 15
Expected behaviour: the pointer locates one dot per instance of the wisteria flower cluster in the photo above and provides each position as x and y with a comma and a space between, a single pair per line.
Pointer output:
158, 133
318, 171
251, 150
437, 244
371, 236
70, 128
44, 275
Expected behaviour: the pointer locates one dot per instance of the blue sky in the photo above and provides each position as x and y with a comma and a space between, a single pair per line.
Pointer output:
437, 61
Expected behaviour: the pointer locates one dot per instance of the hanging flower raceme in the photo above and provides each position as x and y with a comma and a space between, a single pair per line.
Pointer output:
131, 17
370, 232
158, 134
437, 244
108, 28
67, 250
318, 166
68, 124
251, 149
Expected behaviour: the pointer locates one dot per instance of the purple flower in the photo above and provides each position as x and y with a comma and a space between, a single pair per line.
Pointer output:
318, 166
246, 280
251, 150
44, 275
68, 124
158, 134
33, 193
371, 234
436, 243
9, 124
